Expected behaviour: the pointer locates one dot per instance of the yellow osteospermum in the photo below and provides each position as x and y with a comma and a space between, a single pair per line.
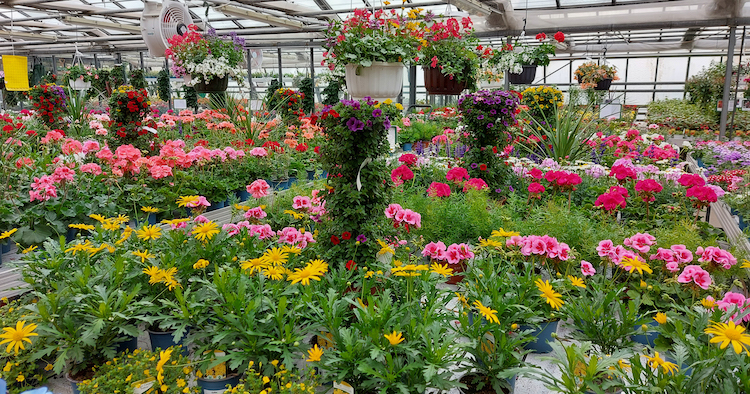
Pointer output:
205, 231
503, 234
305, 275
291, 249
6, 234
164, 356
745, 264
254, 264
143, 255
553, 298
441, 269
490, 243
125, 235
80, 226
149, 232
97, 217
84, 247
154, 273
656, 362
385, 248
111, 225
275, 256
274, 272
29, 249
183, 201
576, 281
487, 312
661, 318
15, 337
635, 264
314, 354
295, 215
394, 338
729, 333
200, 264
149, 209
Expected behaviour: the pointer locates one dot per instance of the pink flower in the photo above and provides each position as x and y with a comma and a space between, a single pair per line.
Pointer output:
438, 189
301, 203
641, 242
255, 213
263, 231
587, 269
682, 254
259, 188
158, 172
622, 172
606, 248
515, 240
702, 194
62, 174
202, 202
457, 174
409, 159
201, 219
647, 187
476, 184
718, 256
231, 229
392, 210
694, 273
258, 152
688, 180
435, 250
732, 300
536, 188
535, 173
401, 174
610, 201
91, 168
72, 146
672, 266
90, 146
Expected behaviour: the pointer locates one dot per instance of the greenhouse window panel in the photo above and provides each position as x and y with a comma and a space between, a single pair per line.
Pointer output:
527, 4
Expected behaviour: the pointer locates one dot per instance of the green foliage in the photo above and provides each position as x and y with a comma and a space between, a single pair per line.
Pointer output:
138, 79
307, 88
420, 130
191, 97
682, 114
117, 76
705, 89
332, 91
164, 87
272, 88
563, 136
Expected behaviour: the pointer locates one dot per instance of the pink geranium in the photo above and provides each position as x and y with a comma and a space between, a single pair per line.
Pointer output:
641, 242
401, 174
717, 256
587, 269
255, 213
734, 300
702, 195
694, 273
434, 250
622, 173
91, 168
259, 188
301, 203
258, 152
408, 159
476, 184
536, 189
610, 201
159, 171
457, 174
201, 202
392, 210
647, 188
438, 189
688, 180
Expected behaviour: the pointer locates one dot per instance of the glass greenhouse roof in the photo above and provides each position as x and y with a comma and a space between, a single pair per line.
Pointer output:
106, 26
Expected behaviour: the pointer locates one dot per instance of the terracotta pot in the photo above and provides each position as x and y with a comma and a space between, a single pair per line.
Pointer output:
437, 83
455, 279
525, 77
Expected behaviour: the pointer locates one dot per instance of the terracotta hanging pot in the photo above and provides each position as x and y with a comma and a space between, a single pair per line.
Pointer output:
437, 83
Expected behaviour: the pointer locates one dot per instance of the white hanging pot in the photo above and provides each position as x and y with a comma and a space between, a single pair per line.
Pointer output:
79, 84
380, 81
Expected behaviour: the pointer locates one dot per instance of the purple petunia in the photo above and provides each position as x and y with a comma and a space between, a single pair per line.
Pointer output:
376, 112
355, 124
361, 238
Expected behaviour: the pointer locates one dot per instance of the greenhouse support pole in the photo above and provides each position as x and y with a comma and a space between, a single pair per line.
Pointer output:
412, 86
281, 76
54, 64
250, 75
507, 80
737, 81
312, 74
727, 82
169, 99
140, 55
96, 61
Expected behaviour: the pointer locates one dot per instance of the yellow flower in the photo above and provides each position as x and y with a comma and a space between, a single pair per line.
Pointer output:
745, 264
149, 232
97, 217
120, 219
294, 214
201, 263
631, 264
408, 270
80, 226
174, 222
399, 106
6, 234
727, 333
385, 248
661, 318
576, 281
205, 231
154, 273
490, 243
143, 255
388, 101
110, 225
708, 304
656, 362
291, 249
241, 207
441, 269
253, 265
149, 209
183, 201
503, 234
304, 275
394, 338
319, 265
164, 356
29, 249
126, 233
275, 256
168, 278
274, 272
462, 299
20, 378
15, 337
84, 247
314, 354
552, 297
487, 312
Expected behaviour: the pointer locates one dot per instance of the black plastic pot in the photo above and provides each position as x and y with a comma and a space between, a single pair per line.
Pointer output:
525, 77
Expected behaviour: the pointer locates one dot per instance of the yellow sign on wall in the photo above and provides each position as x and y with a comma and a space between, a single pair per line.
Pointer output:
16, 73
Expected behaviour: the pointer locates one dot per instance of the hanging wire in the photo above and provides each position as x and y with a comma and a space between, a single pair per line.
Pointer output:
12, 47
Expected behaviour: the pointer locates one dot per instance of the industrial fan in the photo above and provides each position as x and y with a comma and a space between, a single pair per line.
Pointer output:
161, 21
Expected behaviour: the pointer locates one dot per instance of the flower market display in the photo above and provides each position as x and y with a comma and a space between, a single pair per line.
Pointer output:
291, 249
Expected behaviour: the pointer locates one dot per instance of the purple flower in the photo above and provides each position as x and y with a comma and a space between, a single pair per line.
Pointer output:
386, 123
480, 117
361, 238
376, 112
355, 124
474, 166
489, 125
511, 188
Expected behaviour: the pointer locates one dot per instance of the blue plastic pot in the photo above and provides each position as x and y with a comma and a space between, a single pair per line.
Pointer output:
310, 175
73, 383
648, 337
217, 386
699, 161
130, 345
150, 219
406, 147
242, 194
6, 249
324, 175
685, 368
3, 386
542, 335
70, 235
215, 205
163, 340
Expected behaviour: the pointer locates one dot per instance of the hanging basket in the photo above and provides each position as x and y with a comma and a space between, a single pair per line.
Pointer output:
79, 84
215, 85
380, 81
604, 84
526, 77
437, 83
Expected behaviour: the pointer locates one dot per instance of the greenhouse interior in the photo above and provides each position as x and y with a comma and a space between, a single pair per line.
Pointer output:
374, 196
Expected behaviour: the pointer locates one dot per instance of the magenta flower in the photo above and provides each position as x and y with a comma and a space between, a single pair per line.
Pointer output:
696, 274
587, 269
475, 183
401, 174
259, 188
438, 189
457, 174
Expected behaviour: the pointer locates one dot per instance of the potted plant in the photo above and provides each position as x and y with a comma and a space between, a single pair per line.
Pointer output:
450, 55
79, 76
281, 380
22, 371
50, 104
207, 61
521, 60
599, 77
372, 47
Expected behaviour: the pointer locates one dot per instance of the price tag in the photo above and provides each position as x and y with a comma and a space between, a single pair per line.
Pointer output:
180, 103
342, 388
144, 385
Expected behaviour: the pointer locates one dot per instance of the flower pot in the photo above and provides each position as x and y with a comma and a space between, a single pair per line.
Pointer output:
437, 83
70, 235
323, 174
150, 219
215, 85
130, 345
163, 340
78, 84
406, 147
604, 84
216, 205
466, 379
218, 386
73, 383
455, 279
310, 175
541, 335
380, 81
648, 337
525, 77
6, 246
242, 194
